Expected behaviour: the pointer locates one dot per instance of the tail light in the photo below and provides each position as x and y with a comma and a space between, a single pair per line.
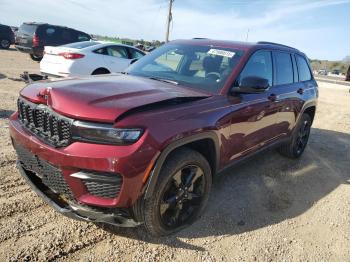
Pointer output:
36, 41
71, 55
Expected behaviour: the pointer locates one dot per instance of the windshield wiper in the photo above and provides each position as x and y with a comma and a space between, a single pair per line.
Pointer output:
164, 80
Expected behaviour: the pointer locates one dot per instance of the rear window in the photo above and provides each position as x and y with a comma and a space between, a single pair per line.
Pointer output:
27, 29
81, 45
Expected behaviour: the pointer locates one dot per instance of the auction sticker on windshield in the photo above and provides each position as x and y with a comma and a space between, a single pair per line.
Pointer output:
221, 53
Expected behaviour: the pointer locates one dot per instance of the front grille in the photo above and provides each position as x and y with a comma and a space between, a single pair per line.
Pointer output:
103, 189
50, 176
47, 125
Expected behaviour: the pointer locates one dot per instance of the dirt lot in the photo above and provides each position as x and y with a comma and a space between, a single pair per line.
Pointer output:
269, 209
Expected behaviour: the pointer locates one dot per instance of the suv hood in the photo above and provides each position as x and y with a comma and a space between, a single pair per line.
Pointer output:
104, 98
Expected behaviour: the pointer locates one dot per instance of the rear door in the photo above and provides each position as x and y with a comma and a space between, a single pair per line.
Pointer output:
50, 35
286, 89
116, 58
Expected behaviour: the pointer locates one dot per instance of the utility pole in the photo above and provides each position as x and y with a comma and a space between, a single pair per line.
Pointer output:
169, 18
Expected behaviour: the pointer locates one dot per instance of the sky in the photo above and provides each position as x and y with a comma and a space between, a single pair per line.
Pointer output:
320, 28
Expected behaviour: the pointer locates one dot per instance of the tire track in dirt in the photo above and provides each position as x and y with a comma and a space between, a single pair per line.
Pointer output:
57, 238
21, 223
19, 204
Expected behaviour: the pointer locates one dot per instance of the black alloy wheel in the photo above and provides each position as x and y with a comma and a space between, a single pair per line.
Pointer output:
182, 196
295, 147
302, 137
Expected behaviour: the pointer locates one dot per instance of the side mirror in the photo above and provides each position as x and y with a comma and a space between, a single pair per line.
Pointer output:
251, 85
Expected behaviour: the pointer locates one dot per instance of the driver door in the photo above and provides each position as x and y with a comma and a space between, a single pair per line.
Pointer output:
253, 115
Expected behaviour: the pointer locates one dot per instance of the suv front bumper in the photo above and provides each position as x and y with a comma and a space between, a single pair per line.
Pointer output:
60, 167
117, 217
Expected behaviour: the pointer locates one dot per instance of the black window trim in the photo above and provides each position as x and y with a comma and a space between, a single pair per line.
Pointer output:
295, 68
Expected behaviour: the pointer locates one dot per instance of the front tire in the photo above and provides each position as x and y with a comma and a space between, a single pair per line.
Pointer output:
35, 58
296, 146
183, 189
5, 44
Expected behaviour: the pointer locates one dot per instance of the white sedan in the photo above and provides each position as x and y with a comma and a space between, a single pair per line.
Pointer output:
87, 58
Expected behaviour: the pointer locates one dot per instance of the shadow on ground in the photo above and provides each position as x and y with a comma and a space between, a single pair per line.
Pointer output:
5, 113
11, 49
266, 190
2, 76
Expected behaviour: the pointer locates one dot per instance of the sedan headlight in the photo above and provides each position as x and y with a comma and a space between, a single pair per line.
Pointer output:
104, 133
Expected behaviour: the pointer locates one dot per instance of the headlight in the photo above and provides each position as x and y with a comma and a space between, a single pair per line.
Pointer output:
104, 133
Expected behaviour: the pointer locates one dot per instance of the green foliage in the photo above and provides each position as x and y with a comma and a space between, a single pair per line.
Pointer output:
128, 41
330, 65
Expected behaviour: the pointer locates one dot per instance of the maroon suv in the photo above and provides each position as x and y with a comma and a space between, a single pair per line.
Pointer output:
143, 146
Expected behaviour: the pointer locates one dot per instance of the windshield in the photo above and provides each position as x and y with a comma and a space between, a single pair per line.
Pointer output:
81, 45
201, 67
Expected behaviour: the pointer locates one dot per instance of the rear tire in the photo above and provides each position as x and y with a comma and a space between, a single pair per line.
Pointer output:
100, 71
5, 44
182, 192
36, 58
297, 144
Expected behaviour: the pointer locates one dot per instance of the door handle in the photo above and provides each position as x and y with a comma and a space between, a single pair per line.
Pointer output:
300, 91
272, 97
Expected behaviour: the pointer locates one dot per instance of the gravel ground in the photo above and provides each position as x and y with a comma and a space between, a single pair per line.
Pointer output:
268, 209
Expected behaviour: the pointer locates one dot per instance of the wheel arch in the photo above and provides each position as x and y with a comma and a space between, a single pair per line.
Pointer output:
101, 68
310, 110
199, 142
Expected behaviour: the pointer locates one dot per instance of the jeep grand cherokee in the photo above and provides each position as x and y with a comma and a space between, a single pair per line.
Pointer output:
142, 147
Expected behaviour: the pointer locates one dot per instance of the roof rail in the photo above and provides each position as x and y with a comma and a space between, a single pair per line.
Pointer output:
199, 38
272, 43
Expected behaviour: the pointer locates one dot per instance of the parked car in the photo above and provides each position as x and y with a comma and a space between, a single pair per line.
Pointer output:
336, 72
323, 72
87, 58
150, 48
7, 37
32, 37
143, 147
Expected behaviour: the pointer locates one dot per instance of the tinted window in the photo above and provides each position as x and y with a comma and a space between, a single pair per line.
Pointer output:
135, 54
27, 29
82, 37
259, 64
303, 68
284, 68
117, 51
50, 30
101, 51
67, 36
